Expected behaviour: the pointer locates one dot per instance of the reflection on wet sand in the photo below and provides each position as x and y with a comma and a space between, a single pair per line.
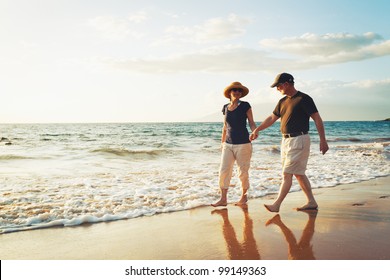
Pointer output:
301, 250
247, 249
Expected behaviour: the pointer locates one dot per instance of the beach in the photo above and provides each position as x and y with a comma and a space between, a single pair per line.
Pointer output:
78, 174
352, 223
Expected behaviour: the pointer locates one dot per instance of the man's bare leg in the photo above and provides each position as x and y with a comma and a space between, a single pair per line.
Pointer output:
284, 189
306, 187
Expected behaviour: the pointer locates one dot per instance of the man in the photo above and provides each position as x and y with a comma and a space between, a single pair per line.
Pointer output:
295, 111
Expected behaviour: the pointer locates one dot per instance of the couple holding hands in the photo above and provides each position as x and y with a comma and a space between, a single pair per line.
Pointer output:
294, 110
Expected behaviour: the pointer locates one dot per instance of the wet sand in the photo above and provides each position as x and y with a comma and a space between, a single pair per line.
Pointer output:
352, 223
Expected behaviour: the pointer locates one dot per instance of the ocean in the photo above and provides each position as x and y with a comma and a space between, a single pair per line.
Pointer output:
73, 174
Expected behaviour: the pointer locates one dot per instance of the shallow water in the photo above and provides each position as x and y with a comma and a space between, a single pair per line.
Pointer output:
70, 174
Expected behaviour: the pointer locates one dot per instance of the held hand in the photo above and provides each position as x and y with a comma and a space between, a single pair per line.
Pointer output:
253, 136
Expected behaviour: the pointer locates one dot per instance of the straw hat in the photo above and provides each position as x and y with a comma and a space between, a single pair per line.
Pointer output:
227, 90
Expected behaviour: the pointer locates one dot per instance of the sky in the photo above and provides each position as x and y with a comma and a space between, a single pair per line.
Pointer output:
69, 61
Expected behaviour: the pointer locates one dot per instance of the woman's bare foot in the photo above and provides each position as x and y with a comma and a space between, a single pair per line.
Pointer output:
271, 208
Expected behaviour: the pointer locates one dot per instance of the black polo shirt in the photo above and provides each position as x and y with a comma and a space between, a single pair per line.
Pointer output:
295, 112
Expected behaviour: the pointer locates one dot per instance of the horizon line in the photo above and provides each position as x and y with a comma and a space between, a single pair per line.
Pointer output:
153, 122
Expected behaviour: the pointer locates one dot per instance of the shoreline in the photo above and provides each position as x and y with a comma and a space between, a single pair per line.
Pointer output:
352, 223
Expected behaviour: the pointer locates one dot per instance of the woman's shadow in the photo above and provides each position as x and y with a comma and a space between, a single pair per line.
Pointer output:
302, 250
247, 249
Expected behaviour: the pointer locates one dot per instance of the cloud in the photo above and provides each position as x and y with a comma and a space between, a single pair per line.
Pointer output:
311, 50
336, 100
305, 52
359, 100
219, 29
110, 27
229, 59
138, 17
212, 30
381, 85
321, 45
116, 28
357, 92
368, 91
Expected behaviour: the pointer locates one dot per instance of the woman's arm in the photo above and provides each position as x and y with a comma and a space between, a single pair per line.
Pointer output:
251, 122
223, 137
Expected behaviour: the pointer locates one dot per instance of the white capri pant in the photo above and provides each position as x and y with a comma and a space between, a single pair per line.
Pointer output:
240, 153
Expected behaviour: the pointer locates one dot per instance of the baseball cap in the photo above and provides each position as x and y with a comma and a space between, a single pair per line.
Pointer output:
282, 78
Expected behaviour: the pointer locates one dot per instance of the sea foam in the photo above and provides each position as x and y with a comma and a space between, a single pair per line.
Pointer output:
90, 173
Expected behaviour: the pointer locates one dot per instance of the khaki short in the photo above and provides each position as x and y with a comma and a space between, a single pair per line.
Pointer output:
295, 153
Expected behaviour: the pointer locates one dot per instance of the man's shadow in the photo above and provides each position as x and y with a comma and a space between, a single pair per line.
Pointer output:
301, 250
247, 249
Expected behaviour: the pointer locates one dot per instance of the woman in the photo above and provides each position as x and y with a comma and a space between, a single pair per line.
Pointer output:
236, 146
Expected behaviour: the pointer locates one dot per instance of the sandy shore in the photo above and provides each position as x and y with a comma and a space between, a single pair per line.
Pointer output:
353, 223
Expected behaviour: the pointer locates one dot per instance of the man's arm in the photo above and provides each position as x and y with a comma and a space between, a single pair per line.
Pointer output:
265, 124
321, 132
